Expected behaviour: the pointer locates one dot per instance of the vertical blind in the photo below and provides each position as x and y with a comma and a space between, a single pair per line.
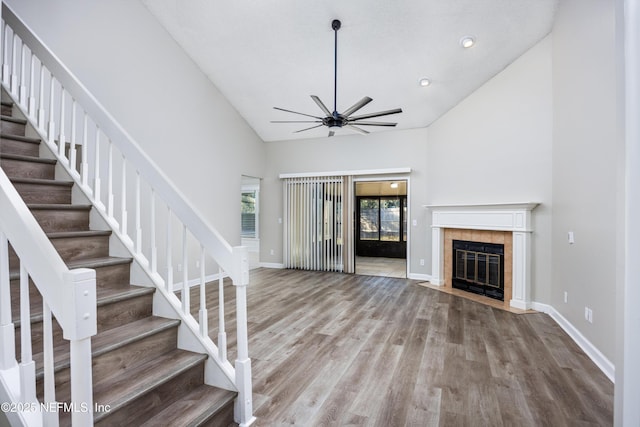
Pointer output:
318, 227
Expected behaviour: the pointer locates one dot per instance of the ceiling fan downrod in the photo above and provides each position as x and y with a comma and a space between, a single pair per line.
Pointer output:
336, 24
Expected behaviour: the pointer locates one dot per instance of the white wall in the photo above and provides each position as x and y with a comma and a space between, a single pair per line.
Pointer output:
146, 81
381, 150
495, 147
586, 154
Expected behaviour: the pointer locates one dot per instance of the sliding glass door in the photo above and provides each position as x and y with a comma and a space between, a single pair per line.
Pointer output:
315, 223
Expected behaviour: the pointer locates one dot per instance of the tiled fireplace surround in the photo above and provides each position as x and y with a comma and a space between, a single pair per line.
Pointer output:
505, 223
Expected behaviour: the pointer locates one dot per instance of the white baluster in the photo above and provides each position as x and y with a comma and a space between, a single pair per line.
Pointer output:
110, 181
31, 107
204, 322
7, 329
138, 246
96, 172
62, 138
152, 229
186, 300
123, 199
23, 88
27, 365
169, 253
72, 146
222, 333
14, 65
50, 417
6, 76
41, 112
84, 167
52, 124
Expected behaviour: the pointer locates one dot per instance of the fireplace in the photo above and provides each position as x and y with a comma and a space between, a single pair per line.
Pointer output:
508, 224
478, 267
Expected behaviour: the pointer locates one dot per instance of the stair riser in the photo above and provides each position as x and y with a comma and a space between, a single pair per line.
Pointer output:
76, 248
223, 418
11, 146
43, 193
106, 365
141, 409
6, 110
25, 169
113, 275
12, 128
53, 221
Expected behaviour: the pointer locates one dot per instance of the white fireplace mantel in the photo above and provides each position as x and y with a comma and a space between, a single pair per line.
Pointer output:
513, 217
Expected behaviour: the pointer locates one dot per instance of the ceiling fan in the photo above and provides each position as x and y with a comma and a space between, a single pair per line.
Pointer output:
345, 119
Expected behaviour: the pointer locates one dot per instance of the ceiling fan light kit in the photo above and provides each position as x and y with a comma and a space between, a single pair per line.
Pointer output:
345, 119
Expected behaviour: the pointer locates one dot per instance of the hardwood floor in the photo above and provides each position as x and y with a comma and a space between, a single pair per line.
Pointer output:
337, 350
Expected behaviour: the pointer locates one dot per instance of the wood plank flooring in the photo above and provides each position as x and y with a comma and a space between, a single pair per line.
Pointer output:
332, 349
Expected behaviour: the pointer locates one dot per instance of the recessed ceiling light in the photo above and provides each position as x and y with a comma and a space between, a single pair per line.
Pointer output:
467, 41
425, 82
394, 185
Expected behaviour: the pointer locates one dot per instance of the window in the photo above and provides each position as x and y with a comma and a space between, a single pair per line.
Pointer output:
383, 218
248, 212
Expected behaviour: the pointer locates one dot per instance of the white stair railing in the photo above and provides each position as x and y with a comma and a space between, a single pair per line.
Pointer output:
68, 295
143, 208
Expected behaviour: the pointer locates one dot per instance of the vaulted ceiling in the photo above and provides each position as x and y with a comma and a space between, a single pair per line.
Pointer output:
262, 54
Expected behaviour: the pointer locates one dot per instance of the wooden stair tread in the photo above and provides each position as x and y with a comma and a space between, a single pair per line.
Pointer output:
82, 233
93, 263
58, 207
6, 103
109, 340
20, 138
98, 262
13, 119
193, 408
124, 387
41, 181
27, 158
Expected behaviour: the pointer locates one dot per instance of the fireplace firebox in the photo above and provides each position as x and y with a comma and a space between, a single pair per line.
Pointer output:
479, 268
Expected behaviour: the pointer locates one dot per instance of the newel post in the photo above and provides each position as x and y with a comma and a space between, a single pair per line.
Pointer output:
7, 330
244, 403
82, 318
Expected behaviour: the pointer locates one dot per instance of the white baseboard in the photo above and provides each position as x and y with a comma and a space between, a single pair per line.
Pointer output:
594, 354
417, 276
271, 265
196, 282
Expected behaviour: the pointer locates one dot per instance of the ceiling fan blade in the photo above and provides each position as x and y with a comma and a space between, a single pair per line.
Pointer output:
295, 112
296, 121
375, 124
321, 105
312, 127
358, 105
379, 114
331, 133
357, 129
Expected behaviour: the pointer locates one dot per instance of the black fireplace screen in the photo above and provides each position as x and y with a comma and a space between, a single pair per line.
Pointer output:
479, 268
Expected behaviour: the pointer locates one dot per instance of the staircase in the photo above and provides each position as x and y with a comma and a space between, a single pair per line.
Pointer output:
140, 377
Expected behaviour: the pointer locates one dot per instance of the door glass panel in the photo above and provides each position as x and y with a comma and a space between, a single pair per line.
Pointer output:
390, 219
404, 219
369, 225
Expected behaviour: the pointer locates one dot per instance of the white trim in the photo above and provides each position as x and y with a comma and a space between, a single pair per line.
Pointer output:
346, 173
418, 276
277, 265
196, 282
591, 350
